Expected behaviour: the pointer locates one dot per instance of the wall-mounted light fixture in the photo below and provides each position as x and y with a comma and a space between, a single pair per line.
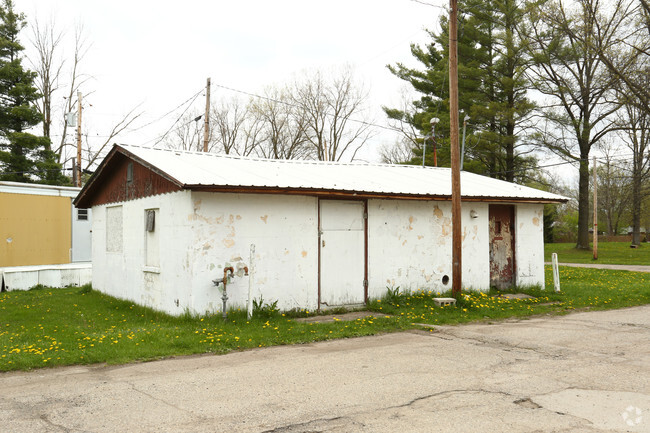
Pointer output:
473, 214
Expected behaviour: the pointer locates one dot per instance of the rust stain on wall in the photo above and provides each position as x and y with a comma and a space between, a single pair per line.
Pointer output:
208, 220
446, 227
411, 219
304, 253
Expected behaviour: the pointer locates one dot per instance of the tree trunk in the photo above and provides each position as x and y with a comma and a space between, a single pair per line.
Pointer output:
636, 209
510, 150
583, 204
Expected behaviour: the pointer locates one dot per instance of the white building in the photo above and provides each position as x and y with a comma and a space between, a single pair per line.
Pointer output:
168, 223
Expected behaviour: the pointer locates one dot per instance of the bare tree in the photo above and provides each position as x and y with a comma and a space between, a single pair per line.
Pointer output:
402, 120
75, 80
53, 76
568, 70
636, 136
187, 135
283, 126
628, 57
234, 132
46, 40
331, 107
93, 152
398, 153
614, 192
57, 72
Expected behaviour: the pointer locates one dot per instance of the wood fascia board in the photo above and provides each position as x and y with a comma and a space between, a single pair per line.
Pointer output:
358, 195
90, 185
96, 175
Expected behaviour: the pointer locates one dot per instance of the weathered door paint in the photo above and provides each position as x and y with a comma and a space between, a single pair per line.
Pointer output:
502, 251
341, 246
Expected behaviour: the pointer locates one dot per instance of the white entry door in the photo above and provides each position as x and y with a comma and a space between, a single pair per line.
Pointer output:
342, 256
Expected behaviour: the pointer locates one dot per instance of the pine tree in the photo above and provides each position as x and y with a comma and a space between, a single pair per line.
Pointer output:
24, 157
490, 83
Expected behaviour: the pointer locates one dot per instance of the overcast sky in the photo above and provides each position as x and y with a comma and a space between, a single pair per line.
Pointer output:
159, 53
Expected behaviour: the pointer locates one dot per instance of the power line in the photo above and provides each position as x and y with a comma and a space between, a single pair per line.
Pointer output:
169, 112
148, 123
177, 120
288, 104
532, 168
428, 4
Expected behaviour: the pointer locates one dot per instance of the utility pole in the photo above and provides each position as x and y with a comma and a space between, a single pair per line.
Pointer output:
457, 259
595, 212
206, 133
79, 139
74, 171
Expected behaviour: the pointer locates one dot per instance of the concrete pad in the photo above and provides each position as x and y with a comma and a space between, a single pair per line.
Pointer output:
342, 317
515, 296
631, 268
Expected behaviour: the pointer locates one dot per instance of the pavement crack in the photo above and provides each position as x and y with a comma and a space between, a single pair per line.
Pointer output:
505, 345
443, 393
527, 403
165, 402
302, 426
46, 420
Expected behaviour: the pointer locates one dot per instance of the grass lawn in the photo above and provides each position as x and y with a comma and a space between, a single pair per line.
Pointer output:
614, 253
53, 327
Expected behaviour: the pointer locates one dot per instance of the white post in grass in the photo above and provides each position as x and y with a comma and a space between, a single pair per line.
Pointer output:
251, 272
556, 272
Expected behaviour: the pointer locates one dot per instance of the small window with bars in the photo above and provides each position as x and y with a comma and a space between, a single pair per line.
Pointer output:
82, 214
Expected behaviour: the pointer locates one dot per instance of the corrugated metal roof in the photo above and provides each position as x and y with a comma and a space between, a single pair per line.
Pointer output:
38, 189
207, 169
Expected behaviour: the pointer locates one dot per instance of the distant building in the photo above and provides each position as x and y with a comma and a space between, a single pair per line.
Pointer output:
40, 228
167, 223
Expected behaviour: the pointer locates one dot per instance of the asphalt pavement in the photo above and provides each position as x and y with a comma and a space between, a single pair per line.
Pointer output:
586, 372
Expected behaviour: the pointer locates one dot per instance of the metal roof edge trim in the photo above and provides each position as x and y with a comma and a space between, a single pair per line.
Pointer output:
362, 194
124, 150
282, 161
